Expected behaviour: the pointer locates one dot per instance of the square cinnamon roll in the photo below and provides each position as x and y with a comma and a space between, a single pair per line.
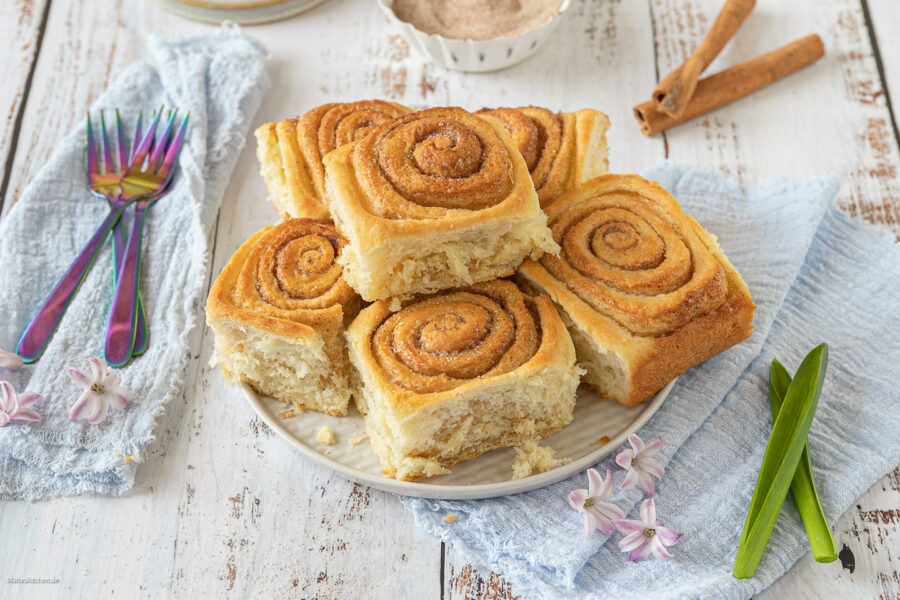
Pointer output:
445, 377
645, 291
290, 152
279, 309
560, 149
435, 199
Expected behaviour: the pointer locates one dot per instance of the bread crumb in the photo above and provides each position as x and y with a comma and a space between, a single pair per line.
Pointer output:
396, 304
356, 440
602, 440
450, 518
325, 435
287, 414
532, 459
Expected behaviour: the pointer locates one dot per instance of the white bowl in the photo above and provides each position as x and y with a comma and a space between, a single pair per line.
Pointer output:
476, 56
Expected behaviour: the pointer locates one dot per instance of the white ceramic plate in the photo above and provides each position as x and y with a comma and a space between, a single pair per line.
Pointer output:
483, 477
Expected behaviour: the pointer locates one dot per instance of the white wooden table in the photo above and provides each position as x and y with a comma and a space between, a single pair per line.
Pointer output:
225, 509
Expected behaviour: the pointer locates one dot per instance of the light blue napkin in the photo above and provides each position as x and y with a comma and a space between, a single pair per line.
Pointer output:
220, 78
816, 276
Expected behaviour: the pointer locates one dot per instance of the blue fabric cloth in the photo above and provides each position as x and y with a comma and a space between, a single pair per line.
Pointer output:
816, 276
220, 78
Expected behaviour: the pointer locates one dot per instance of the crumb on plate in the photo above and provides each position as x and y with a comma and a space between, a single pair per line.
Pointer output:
602, 440
450, 518
356, 440
532, 459
325, 435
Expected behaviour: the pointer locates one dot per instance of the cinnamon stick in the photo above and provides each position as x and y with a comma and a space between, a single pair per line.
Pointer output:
674, 92
734, 83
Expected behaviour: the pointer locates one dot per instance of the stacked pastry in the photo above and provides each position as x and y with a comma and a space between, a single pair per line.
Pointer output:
433, 211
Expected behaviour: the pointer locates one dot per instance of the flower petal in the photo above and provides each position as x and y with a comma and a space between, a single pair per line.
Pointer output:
590, 523
80, 407
577, 498
626, 525
609, 510
98, 369
652, 447
668, 536
648, 513
636, 443
641, 552
651, 466
80, 378
8, 400
26, 414
4, 419
658, 549
624, 458
27, 399
117, 401
10, 360
647, 482
632, 541
630, 480
595, 483
102, 410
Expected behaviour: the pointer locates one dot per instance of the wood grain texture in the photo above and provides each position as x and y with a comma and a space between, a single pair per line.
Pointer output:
20, 29
223, 507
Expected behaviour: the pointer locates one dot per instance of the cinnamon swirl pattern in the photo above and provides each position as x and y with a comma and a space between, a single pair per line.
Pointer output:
290, 152
446, 377
560, 149
647, 291
281, 300
433, 200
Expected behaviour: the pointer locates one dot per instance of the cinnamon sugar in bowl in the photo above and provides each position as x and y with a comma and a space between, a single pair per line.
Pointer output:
475, 35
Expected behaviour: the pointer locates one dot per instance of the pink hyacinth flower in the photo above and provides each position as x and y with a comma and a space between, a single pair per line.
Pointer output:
590, 503
641, 464
646, 536
14, 407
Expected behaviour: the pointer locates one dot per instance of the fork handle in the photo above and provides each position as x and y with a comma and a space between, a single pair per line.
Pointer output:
43, 325
120, 329
141, 339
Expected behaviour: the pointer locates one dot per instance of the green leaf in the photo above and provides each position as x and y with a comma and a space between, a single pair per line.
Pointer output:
783, 452
803, 487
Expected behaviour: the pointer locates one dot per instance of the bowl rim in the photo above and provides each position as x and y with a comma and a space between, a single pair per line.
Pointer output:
388, 8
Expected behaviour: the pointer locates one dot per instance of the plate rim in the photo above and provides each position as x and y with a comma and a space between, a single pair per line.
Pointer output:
454, 492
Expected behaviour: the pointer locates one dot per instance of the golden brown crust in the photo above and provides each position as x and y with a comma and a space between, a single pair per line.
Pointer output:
614, 280
560, 149
285, 280
420, 197
440, 342
291, 151
397, 372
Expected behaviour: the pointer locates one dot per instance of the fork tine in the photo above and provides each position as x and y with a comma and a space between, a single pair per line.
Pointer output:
120, 144
108, 166
167, 168
157, 154
91, 148
137, 136
146, 143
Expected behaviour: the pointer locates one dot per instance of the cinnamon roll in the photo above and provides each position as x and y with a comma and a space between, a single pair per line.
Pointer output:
290, 152
435, 199
560, 149
446, 377
645, 291
278, 310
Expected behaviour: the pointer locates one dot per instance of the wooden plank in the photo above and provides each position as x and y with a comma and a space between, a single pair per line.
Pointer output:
882, 19
21, 26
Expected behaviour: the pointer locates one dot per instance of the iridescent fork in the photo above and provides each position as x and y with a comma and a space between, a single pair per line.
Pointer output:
38, 333
106, 185
147, 178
